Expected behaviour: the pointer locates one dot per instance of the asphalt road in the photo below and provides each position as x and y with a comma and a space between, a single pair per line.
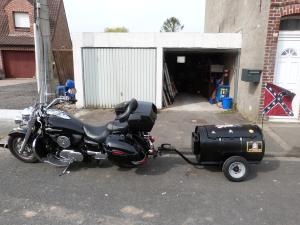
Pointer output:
18, 96
166, 191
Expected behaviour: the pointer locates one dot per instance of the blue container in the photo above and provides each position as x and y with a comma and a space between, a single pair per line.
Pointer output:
60, 90
227, 103
70, 84
222, 92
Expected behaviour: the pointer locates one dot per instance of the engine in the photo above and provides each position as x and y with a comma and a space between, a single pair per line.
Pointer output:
63, 141
71, 155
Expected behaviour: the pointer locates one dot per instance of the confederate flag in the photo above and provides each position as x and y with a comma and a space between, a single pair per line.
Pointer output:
278, 101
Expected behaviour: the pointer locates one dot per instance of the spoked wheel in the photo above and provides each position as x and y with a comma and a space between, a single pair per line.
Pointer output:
14, 145
236, 168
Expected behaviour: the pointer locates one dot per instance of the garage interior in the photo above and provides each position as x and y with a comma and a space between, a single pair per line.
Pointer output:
192, 77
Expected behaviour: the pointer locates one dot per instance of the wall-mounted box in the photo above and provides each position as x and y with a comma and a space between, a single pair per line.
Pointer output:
250, 75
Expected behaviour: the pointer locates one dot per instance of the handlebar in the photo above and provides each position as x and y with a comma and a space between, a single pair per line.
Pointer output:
59, 100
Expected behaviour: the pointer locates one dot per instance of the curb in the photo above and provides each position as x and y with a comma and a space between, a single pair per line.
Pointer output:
3, 145
3, 142
9, 114
282, 154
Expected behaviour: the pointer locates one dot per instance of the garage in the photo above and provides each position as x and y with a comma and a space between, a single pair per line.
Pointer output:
114, 75
19, 64
198, 76
113, 67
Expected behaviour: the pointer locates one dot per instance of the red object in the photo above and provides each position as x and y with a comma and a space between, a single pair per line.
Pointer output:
117, 152
152, 139
143, 161
19, 64
278, 101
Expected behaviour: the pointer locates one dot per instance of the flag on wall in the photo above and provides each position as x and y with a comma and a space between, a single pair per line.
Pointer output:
278, 101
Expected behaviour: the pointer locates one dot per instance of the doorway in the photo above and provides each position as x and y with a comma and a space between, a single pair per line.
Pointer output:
287, 68
195, 75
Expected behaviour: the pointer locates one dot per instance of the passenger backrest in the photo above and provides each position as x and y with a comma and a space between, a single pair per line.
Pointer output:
130, 108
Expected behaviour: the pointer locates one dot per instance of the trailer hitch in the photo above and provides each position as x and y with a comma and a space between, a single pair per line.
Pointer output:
169, 148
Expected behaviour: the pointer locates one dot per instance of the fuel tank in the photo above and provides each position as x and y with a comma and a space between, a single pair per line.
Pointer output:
62, 121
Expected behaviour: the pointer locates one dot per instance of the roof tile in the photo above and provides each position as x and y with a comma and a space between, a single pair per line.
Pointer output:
7, 39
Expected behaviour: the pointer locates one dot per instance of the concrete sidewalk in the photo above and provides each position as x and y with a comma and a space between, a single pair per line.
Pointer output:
283, 139
175, 127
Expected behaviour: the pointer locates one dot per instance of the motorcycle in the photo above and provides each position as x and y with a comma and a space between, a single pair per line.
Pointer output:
53, 136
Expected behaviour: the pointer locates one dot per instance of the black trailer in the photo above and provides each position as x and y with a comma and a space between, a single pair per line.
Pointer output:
233, 147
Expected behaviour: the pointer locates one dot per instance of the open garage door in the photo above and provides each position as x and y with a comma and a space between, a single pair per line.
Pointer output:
199, 78
19, 64
113, 75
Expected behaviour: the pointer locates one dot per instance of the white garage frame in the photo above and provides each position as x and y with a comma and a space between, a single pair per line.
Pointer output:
159, 41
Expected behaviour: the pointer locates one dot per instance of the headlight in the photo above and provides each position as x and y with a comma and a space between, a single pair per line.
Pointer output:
25, 118
26, 113
18, 121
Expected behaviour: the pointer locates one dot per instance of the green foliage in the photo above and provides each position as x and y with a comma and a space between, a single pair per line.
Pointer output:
172, 24
116, 29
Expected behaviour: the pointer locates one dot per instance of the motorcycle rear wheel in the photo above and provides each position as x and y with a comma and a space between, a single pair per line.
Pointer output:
14, 146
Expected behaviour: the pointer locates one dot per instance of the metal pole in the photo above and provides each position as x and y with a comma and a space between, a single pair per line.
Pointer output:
38, 53
43, 51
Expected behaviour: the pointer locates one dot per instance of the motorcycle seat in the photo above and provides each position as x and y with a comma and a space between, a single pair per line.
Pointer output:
97, 134
117, 126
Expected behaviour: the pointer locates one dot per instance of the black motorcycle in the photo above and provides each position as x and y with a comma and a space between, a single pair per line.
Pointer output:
53, 136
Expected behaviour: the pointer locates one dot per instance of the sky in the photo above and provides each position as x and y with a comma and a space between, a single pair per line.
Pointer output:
136, 15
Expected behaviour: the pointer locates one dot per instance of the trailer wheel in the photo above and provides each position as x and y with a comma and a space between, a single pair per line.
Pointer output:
236, 168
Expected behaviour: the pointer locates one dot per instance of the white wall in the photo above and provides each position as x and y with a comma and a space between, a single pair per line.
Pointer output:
147, 40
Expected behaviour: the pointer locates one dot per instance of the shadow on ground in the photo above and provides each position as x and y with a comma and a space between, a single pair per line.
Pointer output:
159, 166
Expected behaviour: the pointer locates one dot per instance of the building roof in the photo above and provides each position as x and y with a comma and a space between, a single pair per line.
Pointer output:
25, 38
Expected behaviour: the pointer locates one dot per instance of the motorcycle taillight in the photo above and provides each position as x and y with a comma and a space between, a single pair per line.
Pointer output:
117, 152
151, 138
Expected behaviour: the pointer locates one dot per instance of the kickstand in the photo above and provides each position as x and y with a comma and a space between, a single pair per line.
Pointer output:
66, 171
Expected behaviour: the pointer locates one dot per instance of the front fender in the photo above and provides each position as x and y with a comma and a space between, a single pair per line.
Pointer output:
18, 130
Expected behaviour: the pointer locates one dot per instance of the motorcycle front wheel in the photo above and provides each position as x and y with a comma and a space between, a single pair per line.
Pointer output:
14, 145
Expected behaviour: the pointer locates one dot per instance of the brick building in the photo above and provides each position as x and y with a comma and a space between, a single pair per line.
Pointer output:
17, 57
271, 43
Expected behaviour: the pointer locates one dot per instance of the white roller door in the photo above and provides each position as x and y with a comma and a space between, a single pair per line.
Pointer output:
113, 75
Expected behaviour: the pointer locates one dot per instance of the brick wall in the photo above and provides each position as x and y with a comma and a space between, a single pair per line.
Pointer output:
62, 47
278, 9
61, 39
19, 6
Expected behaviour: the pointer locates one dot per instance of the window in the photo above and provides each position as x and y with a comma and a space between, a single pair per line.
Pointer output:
21, 20
180, 59
289, 52
290, 24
